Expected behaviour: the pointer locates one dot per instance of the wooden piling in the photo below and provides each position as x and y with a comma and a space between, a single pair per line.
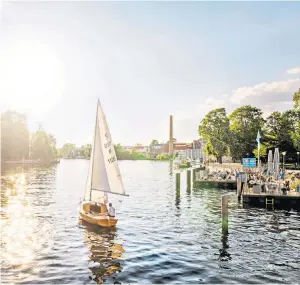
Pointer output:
178, 181
239, 187
194, 174
224, 212
188, 179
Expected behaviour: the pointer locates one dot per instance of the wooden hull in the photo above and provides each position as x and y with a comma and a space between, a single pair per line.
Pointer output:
102, 220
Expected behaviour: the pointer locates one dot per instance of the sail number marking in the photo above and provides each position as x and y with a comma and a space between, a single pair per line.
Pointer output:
108, 144
112, 159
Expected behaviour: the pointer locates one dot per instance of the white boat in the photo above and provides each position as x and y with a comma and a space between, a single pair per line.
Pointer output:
104, 176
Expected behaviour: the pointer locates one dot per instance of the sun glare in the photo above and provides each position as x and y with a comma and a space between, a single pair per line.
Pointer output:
33, 78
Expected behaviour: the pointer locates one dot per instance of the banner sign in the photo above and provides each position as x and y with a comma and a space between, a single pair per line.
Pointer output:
249, 162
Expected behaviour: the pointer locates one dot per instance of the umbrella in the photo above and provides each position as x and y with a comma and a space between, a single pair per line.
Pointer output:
276, 162
270, 162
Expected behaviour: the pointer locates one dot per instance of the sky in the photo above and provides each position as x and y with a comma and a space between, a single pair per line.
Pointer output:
145, 61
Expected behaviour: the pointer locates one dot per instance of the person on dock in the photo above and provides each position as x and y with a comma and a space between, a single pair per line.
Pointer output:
111, 210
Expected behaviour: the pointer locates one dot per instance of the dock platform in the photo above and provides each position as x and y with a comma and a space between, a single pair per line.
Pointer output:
223, 184
288, 201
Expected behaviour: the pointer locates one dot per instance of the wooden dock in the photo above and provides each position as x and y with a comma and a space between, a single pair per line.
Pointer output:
202, 179
272, 199
268, 195
224, 184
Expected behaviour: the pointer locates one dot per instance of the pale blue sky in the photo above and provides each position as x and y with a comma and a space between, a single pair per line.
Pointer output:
145, 61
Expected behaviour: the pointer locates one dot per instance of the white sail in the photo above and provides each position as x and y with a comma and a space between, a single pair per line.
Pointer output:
104, 174
110, 158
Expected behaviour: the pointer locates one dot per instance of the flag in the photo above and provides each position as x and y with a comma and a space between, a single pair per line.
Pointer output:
258, 139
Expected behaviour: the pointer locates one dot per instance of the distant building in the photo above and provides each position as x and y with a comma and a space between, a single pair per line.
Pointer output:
197, 144
177, 147
141, 149
197, 151
127, 148
156, 149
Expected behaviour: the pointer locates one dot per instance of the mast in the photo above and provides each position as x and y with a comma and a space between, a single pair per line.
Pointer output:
171, 137
93, 152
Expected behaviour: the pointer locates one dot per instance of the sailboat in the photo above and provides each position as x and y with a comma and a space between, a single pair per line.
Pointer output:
104, 176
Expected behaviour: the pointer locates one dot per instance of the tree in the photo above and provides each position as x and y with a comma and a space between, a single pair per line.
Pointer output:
263, 151
52, 141
43, 146
277, 130
288, 128
67, 150
296, 99
163, 156
154, 142
296, 137
214, 128
273, 129
118, 147
87, 150
14, 136
244, 124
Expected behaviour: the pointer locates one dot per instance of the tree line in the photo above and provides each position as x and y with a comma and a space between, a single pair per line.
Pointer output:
235, 134
18, 143
67, 151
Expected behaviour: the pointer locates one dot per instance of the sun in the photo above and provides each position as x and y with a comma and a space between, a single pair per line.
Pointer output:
32, 77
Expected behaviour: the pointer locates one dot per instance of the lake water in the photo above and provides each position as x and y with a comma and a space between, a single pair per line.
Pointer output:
161, 236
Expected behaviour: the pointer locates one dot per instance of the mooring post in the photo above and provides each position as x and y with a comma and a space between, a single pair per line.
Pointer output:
178, 181
224, 211
239, 187
188, 178
194, 174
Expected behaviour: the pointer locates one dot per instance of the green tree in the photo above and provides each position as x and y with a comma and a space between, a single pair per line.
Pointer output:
52, 141
87, 150
67, 150
273, 129
154, 142
263, 151
244, 124
163, 156
118, 148
296, 137
14, 136
296, 99
214, 128
43, 146
288, 127
277, 130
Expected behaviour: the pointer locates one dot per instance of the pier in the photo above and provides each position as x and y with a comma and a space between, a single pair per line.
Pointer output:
269, 195
203, 178
271, 198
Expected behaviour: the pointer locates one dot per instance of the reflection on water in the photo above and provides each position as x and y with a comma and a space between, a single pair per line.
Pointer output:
177, 199
171, 167
22, 234
162, 236
105, 252
224, 254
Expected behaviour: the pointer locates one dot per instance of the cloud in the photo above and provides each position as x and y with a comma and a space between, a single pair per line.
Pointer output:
265, 92
295, 70
268, 96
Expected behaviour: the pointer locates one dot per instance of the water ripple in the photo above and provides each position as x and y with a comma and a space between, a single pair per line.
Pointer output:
163, 236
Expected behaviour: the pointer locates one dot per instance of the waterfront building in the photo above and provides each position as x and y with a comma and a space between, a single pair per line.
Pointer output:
156, 149
127, 148
141, 149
